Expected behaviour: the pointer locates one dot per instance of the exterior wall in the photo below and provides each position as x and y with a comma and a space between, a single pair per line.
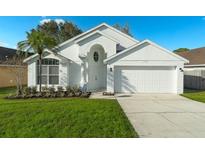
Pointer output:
7, 77
180, 78
32, 74
71, 52
123, 40
108, 45
110, 78
74, 73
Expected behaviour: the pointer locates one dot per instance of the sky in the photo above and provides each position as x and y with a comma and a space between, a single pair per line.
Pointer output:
170, 32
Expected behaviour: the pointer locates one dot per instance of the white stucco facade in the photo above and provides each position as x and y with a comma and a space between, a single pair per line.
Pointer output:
94, 60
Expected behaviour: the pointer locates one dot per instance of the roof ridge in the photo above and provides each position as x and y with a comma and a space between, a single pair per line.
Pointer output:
196, 48
7, 48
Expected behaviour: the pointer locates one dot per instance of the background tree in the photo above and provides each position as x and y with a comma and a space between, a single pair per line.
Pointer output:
60, 31
125, 29
182, 50
37, 41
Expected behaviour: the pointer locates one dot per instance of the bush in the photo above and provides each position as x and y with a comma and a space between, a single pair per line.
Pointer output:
45, 89
68, 90
27, 91
52, 92
76, 91
34, 90
60, 91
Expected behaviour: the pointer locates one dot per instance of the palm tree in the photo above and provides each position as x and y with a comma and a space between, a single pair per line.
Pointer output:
37, 41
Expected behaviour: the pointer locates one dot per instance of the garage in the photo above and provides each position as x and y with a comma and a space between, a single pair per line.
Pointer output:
145, 79
145, 68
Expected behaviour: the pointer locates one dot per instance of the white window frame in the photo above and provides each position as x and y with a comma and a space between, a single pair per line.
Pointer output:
47, 74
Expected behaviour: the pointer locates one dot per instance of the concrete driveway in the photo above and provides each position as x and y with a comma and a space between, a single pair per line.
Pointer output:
164, 115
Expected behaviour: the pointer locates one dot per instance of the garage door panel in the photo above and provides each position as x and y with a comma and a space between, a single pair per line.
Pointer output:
145, 79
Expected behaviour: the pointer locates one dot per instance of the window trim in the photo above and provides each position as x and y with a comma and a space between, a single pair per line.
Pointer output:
48, 71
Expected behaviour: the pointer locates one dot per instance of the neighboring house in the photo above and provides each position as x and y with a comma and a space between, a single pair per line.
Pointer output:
103, 58
7, 71
6, 53
194, 71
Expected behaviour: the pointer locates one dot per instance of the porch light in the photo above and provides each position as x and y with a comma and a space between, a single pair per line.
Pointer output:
110, 69
181, 69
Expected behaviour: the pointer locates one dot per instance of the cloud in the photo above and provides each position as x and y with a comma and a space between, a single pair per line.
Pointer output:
3, 44
58, 21
44, 21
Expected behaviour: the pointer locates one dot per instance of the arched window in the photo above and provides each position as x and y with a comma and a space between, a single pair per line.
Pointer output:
50, 71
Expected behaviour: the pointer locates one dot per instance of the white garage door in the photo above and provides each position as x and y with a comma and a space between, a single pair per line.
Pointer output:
145, 79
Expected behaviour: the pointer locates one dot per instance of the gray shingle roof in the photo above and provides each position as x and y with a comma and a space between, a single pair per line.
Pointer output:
6, 53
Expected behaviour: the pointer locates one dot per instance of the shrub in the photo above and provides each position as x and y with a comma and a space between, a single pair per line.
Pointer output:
76, 91
52, 91
45, 89
68, 90
34, 90
26, 91
60, 91
45, 92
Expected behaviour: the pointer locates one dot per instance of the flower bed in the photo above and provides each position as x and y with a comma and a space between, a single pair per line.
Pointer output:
51, 92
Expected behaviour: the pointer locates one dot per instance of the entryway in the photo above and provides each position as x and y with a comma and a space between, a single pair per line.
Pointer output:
96, 68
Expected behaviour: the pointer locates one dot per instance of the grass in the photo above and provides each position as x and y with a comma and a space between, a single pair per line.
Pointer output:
62, 117
197, 95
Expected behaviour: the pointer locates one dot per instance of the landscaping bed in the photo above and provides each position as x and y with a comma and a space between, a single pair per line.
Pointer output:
49, 92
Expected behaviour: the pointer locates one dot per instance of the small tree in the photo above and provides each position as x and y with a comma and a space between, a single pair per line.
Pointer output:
17, 69
37, 42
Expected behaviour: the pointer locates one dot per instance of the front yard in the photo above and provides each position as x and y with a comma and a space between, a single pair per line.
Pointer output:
197, 95
62, 117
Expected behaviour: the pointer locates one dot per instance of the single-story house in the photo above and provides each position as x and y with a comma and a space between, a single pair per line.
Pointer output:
194, 71
8, 71
104, 58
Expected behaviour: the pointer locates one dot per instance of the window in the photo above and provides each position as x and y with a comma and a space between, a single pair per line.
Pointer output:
50, 71
95, 56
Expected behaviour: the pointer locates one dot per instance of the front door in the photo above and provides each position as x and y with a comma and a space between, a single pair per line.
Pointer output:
96, 69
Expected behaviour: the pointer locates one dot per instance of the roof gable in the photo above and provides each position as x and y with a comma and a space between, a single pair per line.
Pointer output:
143, 51
97, 28
95, 33
45, 53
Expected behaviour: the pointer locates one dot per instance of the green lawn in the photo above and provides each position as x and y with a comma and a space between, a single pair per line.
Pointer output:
62, 118
197, 95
